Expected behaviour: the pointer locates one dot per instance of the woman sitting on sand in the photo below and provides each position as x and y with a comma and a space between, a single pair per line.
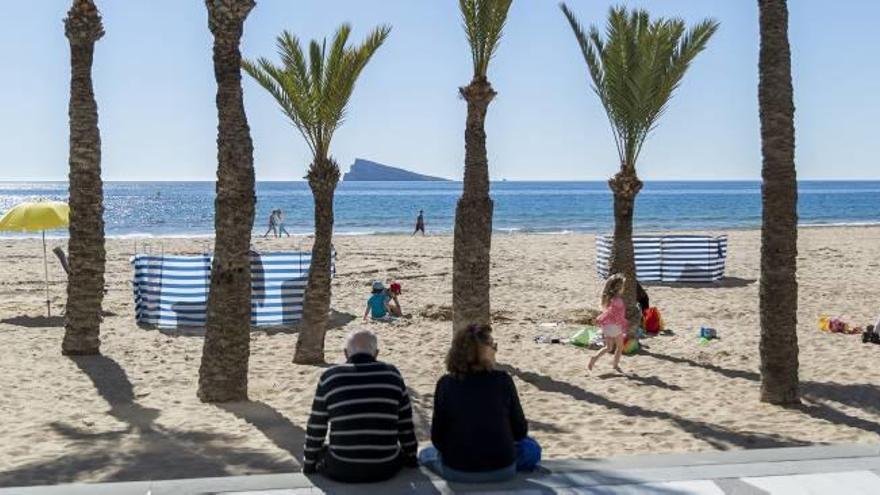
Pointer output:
478, 429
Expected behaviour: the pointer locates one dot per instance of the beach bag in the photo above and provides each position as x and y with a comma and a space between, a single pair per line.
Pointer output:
584, 336
528, 454
652, 322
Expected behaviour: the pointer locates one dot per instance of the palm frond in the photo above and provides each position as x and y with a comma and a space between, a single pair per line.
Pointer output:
313, 91
636, 68
483, 22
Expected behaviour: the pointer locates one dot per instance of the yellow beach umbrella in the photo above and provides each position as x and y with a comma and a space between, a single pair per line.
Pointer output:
34, 217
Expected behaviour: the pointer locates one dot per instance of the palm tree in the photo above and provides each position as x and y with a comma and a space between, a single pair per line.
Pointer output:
635, 70
314, 94
483, 24
224, 367
85, 285
779, 288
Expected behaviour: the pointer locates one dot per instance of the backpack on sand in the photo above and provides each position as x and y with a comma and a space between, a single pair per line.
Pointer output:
652, 321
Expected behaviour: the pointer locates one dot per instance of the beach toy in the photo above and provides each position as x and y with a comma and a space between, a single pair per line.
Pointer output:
631, 346
824, 323
708, 333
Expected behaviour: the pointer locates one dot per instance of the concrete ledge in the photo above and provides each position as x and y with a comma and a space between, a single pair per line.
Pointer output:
558, 476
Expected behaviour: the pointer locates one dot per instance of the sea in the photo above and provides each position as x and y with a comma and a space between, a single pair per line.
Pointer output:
186, 209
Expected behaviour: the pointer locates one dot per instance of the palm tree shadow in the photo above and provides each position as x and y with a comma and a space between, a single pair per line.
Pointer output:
719, 437
724, 283
272, 424
34, 321
863, 396
642, 381
113, 385
142, 448
337, 319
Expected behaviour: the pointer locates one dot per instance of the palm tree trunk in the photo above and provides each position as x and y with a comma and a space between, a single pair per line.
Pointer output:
85, 284
323, 177
224, 367
625, 185
473, 217
779, 290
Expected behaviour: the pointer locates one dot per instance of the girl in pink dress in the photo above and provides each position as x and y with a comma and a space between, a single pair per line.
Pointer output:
612, 320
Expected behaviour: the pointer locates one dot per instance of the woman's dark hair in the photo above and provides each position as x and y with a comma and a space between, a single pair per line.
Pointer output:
464, 356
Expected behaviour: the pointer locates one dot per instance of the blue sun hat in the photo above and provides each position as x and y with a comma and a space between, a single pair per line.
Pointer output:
378, 285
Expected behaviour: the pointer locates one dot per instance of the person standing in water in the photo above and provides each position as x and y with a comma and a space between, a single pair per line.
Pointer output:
273, 225
420, 223
280, 220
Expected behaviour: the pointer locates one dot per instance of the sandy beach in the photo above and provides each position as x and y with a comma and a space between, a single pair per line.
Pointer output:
133, 413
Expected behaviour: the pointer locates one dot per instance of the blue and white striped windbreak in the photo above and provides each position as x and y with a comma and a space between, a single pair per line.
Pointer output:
670, 258
172, 291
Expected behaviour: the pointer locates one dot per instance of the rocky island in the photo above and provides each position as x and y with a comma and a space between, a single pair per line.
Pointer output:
366, 170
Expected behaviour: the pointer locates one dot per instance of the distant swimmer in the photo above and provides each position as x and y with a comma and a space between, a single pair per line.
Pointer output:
420, 223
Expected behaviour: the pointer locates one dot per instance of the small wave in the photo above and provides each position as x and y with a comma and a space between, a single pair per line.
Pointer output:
556, 232
841, 224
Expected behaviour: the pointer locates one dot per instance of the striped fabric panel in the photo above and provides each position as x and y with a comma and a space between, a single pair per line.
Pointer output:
172, 291
680, 258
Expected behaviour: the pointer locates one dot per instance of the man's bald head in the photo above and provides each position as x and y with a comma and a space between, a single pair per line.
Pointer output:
361, 342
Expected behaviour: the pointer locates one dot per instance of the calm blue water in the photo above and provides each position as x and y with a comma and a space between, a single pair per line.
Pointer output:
186, 208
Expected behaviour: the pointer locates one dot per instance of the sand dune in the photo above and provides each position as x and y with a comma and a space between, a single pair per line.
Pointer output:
133, 414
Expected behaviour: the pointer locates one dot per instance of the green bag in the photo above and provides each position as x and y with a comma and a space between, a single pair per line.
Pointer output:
584, 336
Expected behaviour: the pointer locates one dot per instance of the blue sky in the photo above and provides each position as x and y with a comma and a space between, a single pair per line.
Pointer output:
155, 92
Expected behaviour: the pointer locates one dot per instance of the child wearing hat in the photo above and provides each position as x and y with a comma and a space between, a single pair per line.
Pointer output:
377, 304
394, 290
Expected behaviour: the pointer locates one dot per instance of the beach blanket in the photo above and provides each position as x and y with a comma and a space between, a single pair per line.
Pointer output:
172, 291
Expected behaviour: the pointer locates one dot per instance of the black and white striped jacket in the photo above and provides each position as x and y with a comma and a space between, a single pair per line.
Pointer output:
364, 408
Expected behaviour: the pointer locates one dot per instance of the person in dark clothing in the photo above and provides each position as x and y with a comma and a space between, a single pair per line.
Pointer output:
642, 297
478, 419
420, 223
363, 407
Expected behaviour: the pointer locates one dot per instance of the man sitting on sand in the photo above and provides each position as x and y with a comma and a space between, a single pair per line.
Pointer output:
364, 406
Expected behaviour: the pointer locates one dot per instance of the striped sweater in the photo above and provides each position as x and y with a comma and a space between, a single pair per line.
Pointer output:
364, 408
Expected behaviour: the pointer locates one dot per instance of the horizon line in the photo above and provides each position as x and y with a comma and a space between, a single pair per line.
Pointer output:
722, 179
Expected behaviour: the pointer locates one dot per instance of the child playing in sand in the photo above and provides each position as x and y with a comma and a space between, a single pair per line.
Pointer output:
393, 292
377, 304
612, 320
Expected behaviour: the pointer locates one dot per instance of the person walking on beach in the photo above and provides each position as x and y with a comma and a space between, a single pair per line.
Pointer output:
612, 320
273, 225
420, 223
279, 218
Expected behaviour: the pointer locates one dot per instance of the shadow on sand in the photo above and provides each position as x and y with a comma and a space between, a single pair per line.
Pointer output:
725, 283
862, 396
142, 450
27, 321
718, 436
35, 321
272, 424
337, 319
